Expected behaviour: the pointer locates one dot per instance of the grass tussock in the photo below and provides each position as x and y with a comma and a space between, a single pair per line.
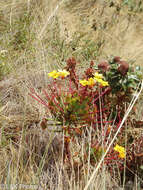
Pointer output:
37, 37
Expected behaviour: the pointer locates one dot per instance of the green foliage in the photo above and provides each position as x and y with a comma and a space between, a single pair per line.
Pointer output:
123, 83
133, 5
73, 108
4, 25
4, 68
87, 50
22, 35
59, 49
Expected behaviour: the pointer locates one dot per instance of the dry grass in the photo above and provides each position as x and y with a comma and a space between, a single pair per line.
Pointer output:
43, 40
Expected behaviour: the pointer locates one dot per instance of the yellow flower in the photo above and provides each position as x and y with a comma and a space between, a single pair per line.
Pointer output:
98, 76
91, 82
102, 82
54, 74
121, 150
63, 73
122, 155
83, 82
98, 80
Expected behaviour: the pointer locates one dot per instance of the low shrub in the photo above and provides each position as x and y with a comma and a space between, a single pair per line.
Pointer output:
92, 105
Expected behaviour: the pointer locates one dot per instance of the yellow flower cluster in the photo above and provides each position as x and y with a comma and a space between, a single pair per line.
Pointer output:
92, 81
61, 73
121, 151
102, 82
98, 76
53, 74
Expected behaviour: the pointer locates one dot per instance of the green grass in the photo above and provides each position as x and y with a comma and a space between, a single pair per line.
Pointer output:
134, 6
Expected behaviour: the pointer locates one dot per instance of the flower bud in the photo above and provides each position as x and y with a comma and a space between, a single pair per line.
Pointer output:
117, 59
71, 62
123, 68
89, 72
103, 66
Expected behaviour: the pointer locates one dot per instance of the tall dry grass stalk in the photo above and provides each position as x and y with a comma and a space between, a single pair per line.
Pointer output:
49, 18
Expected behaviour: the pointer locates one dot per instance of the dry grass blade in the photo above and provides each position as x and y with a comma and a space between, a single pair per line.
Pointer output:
49, 18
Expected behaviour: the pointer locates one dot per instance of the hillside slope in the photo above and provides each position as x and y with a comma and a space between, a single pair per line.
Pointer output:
37, 36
